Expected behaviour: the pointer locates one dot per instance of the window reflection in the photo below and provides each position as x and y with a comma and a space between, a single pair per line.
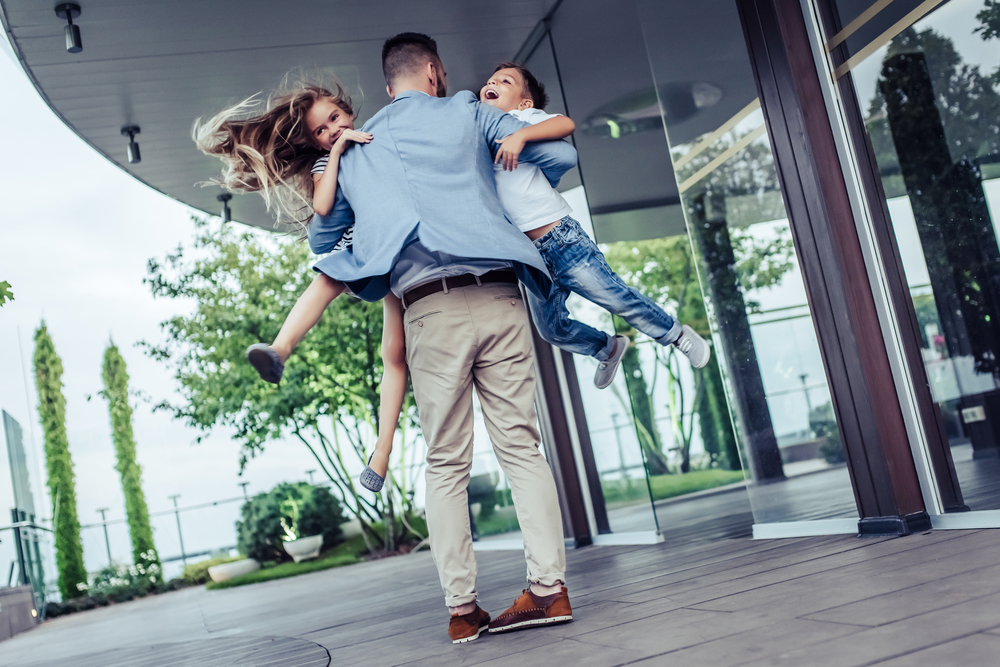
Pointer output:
933, 115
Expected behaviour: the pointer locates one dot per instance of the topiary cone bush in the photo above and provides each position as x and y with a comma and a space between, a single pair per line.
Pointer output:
116, 393
260, 534
59, 466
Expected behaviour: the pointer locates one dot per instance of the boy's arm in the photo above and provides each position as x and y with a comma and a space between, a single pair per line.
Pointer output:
393, 386
557, 127
554, 158
326, 230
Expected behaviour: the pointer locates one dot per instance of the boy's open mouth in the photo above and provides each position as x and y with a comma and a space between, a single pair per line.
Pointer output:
492, 94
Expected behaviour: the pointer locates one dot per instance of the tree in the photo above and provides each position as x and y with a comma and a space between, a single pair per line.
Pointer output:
59, 466
241, 286
117, 395
5, 293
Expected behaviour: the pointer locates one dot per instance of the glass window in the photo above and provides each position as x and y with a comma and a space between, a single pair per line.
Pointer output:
930, 101
693, 218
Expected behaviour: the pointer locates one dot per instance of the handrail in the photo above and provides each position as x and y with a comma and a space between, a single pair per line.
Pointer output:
25, 524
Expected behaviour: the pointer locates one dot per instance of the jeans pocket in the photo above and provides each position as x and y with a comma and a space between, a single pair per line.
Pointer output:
570, 232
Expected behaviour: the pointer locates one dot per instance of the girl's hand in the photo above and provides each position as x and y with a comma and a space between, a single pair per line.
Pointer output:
345, 139
510, 147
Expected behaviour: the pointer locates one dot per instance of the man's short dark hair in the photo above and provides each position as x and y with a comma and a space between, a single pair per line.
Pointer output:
405, 53
533, 88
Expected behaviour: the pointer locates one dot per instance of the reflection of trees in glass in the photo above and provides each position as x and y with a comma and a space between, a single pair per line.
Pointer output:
941, 117
989, 28
664, 270
969, 108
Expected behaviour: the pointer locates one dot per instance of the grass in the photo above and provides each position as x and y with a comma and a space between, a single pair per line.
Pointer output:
620, 492
347, 552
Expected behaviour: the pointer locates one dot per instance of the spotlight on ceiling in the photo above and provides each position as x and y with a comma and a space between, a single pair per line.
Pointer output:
227, 215
69, 11
134, 157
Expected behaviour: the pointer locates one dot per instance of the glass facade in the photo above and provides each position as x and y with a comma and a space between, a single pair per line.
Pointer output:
677, 185
926, 86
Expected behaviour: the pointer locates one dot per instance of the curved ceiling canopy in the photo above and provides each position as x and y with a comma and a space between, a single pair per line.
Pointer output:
160, 65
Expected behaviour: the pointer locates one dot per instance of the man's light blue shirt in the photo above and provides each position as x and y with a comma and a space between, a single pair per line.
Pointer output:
428, 175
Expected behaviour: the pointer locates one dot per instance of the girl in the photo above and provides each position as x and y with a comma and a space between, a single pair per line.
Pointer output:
290, 153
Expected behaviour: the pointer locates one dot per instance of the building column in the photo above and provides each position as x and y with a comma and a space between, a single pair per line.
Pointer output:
829, 249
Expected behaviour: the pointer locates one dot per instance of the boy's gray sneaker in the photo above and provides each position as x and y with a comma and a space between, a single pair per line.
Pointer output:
606, 369
266, 361
693, 346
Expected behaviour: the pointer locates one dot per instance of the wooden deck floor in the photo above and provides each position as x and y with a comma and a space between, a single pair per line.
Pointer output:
931, 599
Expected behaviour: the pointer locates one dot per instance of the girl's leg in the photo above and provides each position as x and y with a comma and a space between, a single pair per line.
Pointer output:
306, 313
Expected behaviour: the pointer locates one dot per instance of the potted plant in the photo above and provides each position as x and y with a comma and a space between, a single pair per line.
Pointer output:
299, 548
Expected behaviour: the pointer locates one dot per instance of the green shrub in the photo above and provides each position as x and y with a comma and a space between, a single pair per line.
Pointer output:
304, 509
119, 583
59, 465
117, 395
197, 573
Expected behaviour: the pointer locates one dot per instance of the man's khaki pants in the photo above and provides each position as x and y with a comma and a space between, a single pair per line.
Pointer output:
479, 335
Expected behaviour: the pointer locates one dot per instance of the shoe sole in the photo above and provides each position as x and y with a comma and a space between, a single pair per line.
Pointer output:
618, 362
533, 622
466, 640
264, 365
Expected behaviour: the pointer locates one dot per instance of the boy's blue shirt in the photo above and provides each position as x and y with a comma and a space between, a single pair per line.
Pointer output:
428, 174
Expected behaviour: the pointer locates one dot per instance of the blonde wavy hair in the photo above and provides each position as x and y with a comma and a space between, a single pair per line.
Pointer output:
267, 147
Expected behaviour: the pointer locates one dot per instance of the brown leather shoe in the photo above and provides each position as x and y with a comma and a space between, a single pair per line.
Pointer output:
531, 610
467, 627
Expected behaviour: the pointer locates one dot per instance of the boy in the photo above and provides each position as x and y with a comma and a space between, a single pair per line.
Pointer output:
573, 260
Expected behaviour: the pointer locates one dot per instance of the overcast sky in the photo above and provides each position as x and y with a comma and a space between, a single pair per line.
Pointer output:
75, 235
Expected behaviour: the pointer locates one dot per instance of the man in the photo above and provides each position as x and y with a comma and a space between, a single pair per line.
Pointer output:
429, 226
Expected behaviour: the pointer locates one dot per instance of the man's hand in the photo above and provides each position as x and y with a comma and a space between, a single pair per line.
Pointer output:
510, 147
345, 139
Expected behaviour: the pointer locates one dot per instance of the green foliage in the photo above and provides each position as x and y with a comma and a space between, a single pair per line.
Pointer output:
5, 293
261, 530
59, 465
116, 393
119, 583
197, 573
243, 285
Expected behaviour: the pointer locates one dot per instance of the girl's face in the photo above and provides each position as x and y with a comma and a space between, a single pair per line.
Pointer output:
505, 91
326, 122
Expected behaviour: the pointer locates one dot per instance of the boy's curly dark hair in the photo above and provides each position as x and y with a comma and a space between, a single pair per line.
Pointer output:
533, 88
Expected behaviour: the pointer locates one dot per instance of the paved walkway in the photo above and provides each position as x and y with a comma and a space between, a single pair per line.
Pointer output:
931, 599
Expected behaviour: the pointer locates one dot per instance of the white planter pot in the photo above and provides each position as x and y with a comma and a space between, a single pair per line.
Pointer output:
234, 569
304, 548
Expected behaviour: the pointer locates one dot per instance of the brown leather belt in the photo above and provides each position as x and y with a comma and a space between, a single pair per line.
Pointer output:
420, 291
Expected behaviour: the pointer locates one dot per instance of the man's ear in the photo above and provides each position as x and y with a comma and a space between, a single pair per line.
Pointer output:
526, 104
388, 91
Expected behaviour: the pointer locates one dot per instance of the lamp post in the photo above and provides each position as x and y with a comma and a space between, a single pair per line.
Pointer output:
244, 485
180, 535
310, 473
104, 523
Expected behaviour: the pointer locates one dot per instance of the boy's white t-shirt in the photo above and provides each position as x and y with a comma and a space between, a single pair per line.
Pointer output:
527, 197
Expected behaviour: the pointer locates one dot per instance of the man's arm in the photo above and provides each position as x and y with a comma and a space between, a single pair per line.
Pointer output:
326, 230
554, 158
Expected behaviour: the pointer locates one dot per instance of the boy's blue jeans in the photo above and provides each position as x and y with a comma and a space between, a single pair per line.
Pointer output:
577, 265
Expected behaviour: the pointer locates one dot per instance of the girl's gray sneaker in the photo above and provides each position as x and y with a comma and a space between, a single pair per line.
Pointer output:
266, 361
370, 479
693, 346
